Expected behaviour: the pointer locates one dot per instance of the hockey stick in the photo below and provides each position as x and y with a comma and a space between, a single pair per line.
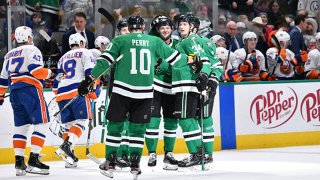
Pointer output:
279, 50
201, 114
89, 155
45, 35
229, 51
56, 126
110, 18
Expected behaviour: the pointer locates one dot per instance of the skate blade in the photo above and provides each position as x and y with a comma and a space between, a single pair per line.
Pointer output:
122, 169
68, 165
67, 159
20, 172
94, 159
108, 173
135, 174
170, 167
193, 168
35, 170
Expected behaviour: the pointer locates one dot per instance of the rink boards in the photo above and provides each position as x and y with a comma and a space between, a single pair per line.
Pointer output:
246, 115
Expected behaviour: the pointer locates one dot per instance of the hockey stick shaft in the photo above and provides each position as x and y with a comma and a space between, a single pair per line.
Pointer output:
110, 18
201, 115
90, 127
279, 50
229, 51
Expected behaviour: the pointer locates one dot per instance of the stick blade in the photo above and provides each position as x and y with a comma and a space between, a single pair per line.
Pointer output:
93, 158
44, 35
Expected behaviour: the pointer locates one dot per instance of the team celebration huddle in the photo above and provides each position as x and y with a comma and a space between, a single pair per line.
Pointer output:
167, 74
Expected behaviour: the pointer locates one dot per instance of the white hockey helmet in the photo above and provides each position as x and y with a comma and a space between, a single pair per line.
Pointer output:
22, 33
318, 39
282, 36
76, 38
249, 35
222, 53
101, 40
216, 38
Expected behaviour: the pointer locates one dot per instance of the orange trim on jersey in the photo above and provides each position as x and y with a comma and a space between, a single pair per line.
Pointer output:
43, 108
64, 135
76, 130
3, 90
88, 104
40, 73
66, 96
37, 141
28, 80
55, 91
19, 144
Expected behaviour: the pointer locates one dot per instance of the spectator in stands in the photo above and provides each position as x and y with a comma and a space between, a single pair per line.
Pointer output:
310, 32
202, 13
71, 7
311, 6
261, 6
80, 20
230, 36
241, 29
49, 10
243, 7
257, 26
266, 28
274, 12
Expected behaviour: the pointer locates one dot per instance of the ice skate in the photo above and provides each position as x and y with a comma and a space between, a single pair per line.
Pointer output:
135, 168
108, 167
192, 160
152, 160
122, 163
65, 148
35, 166
74, 165
20, 166
169, 162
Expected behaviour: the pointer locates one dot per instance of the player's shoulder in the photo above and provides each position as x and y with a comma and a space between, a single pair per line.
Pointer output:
271, 50
240, 52
259, 53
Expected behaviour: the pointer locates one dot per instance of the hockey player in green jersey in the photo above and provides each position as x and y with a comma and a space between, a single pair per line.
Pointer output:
122, 159
213, 81
163, 98
186, 85
136, 55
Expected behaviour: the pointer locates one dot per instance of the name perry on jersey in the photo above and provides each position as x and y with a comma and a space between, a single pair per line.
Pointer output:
136, 42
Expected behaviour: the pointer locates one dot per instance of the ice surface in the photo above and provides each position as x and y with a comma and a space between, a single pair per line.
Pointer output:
292, 163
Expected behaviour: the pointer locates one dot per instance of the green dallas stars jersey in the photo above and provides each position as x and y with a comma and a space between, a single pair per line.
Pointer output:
136, 55
210, 50
162, 78
183, 78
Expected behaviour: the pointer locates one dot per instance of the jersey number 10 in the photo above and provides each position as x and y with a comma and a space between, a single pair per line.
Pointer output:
143, 68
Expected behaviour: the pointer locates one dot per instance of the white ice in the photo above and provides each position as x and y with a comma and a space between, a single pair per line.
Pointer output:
292, 163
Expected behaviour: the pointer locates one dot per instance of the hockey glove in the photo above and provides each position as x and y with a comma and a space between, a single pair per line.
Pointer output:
1, 100
157, 66
201, 82
265, 76
197, 63
313, 74
85, 85
212, 84
232, 75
